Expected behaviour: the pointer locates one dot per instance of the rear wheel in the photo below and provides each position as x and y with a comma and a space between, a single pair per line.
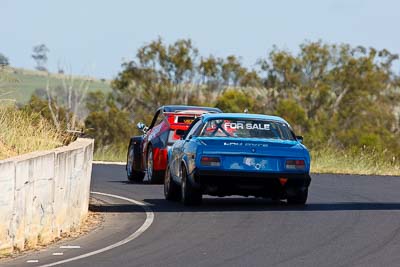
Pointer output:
190, 195
299, 199
171, 189
133, 176
155, 177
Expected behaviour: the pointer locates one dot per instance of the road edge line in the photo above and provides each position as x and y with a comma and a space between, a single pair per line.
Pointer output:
149, 220
99, 162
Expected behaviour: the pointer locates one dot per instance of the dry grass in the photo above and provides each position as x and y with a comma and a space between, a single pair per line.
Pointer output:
354, 162
111, 153
22, 133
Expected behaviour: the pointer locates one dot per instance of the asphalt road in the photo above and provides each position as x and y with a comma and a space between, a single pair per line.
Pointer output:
349, 221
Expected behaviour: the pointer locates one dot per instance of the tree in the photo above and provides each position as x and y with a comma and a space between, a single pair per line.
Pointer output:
40, 56
235, 101
232, 71
71, 97
63, 105
105, 122
250, 79
3, 60
210, 70
341, 93
337, 95
175, 62
293, 113
160, 74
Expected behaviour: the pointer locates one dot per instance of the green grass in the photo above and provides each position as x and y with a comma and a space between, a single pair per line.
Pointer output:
22, 133
23, 83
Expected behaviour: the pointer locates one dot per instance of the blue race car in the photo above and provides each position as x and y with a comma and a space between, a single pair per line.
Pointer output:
238, 154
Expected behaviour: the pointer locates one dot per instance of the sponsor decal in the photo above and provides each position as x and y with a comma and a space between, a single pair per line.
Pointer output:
255, 163
233, 144
156, 130
185, 119
244, 144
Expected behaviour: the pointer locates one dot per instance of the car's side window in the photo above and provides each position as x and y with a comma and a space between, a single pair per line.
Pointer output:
193, 129
199, 127
155, 119
160, 118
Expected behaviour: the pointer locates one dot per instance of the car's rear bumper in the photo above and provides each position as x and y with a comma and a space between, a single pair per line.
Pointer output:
251, 183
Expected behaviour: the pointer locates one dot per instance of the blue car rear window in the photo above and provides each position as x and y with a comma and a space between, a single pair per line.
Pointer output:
247, 128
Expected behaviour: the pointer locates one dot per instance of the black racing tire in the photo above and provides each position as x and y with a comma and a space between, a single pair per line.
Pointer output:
172, 191
133, 176
299, 199
155, 177
190, 196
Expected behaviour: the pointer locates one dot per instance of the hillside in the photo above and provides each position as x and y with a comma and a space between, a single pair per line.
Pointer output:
21, 83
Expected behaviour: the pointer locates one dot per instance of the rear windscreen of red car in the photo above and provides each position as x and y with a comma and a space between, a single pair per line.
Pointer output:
184, 119
180, 122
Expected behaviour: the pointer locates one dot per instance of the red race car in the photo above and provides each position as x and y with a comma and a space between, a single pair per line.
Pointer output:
148, 153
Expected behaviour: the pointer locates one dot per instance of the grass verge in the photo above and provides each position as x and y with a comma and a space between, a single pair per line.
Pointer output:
354, 162
111, 153
23, 133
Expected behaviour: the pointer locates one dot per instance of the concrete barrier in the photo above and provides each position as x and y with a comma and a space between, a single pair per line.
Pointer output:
44, 194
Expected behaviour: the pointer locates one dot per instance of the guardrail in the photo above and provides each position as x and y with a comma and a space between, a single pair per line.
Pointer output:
44, 194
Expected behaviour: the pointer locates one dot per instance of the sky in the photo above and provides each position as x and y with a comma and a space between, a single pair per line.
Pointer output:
93, 37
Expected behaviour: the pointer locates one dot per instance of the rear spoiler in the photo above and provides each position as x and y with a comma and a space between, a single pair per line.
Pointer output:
191, 111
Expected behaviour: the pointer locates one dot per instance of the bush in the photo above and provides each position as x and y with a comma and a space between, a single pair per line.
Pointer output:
235, 101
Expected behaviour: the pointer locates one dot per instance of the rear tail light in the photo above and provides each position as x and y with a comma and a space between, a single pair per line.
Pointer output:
295, 164
210, 161
283, 180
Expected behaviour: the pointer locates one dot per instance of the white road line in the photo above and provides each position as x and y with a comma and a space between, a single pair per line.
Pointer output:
58, 254
109, 162
32, 261
149, 220
70, 247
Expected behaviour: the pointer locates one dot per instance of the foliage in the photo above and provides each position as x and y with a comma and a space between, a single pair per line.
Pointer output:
4, 60
335, 95
106, 123
343, 99
346, 93
165, 74
38, 105
293, 113
40, 56
22, 133
235, 101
